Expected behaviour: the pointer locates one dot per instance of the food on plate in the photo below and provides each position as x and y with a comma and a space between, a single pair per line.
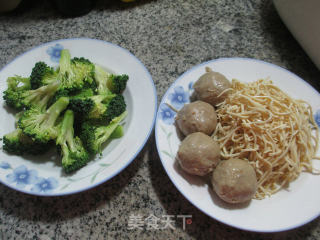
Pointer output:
103, 108
197, 116
19, 143
40, 124
275, 133
70, 147
198, 154
76, 107
114, 83
94, 135
212, 87
234, 181
265, 138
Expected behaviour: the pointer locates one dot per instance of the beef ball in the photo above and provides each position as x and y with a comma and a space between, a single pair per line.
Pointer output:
209, 87
234, 181
197, 116
198, 154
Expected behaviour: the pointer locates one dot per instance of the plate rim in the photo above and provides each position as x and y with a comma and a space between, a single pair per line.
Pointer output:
132, 158
164, 97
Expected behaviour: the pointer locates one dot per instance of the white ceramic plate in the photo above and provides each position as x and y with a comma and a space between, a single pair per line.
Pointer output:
284, 210
43, 175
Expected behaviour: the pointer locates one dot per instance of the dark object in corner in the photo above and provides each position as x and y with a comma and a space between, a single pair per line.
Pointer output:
73, 8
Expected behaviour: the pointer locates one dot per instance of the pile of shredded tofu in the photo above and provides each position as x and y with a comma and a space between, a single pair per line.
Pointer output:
275, 133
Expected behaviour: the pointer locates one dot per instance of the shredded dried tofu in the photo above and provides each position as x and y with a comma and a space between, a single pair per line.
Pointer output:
275, 133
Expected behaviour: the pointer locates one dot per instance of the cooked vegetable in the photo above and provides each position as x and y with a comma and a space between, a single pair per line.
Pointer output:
71, 106
94, 135
102, 108
41, 75
40, 97
74, 155
101, 77
117, 83
42, 126
16, 86
76, 73
18, 143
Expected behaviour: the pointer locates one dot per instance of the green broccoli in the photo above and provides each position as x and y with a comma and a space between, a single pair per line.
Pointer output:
41, 126
13, 95
39, 97
74, 155
101, 77
93, 136
118, 132
117, 83
82, 93
17, 142
78, 105
41, 75
76, 73
102, 108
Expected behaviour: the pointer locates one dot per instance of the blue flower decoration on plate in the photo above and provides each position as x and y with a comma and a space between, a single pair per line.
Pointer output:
22, 176
190, 85
179, 97
45, 185
317, 117
4, 165
166, 114
54, 52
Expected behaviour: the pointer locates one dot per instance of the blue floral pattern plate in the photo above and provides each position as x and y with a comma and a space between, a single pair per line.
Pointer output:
281, 211
43, 175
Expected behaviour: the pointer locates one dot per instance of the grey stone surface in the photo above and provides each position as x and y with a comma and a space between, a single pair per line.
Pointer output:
169, 37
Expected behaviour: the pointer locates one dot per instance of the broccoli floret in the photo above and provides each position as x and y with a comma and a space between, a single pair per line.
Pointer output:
61, 92
102, 108
99, 107
74, 155
101, 77
41, 75
115, 107
81, 106
41, 126
13, 95
83, 93
117, 83
18, 83
76, 73
17, 142
39, 97
93, 136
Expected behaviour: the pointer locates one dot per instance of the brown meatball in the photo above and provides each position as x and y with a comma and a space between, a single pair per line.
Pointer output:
198, 154
234, 181
197, 116
210, 85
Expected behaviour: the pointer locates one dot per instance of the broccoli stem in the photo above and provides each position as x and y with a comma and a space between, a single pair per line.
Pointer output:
40, 96
65, 61
67, 131
65, 69
101, 76
65, 137
54, 111
118, 132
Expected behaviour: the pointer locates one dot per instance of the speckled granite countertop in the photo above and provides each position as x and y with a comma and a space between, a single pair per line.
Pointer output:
169, 37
